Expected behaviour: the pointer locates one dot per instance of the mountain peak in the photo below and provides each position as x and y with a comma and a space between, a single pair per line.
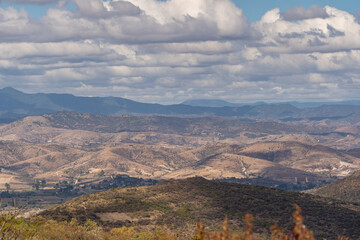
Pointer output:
10, 90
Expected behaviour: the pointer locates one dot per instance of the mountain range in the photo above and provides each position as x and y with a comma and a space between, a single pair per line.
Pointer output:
66, 145
222, 103
15, 104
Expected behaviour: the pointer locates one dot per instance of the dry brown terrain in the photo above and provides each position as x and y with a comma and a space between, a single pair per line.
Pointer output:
285, 161
347, 189
84, 147
86, 129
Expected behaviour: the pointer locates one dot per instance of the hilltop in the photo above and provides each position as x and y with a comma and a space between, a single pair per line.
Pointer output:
347, 189
184, 202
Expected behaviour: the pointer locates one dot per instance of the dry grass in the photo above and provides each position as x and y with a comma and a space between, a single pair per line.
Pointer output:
297, 232
38, 228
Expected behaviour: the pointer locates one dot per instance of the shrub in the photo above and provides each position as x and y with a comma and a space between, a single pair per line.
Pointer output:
38, 228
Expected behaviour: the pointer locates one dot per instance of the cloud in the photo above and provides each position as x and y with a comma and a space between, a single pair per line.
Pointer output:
30, 1
333, 32
300, 13
170, 51
338, 32
91, 8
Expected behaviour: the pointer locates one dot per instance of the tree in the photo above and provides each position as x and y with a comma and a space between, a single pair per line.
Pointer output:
7, 185
101, 173
36, 185
64, 186
43, 183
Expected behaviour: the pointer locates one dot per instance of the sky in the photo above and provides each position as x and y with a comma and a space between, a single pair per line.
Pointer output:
171, 51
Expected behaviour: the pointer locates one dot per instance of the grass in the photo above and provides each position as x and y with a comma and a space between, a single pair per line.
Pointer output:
38, 228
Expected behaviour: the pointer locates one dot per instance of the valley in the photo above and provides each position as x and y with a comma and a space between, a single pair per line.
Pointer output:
56, 157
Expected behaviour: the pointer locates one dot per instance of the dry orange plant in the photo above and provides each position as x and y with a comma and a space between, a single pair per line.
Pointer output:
297, 232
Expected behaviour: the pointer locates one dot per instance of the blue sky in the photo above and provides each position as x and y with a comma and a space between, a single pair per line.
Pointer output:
254, 9
34, 10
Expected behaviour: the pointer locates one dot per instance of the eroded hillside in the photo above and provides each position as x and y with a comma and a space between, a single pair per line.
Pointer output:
82, 148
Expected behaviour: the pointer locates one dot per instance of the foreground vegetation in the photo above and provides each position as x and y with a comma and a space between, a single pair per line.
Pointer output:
38, 228
183, 203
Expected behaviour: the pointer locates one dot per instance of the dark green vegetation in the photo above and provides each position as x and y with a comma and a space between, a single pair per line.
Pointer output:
182, 203
268, 182
347, 189
38, 228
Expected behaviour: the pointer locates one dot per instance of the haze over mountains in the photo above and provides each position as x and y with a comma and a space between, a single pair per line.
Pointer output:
16, 104
222, 103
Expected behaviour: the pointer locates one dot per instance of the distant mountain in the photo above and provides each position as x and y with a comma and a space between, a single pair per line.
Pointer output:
318, 104
15, 104
223, 103
185, 202
210, 103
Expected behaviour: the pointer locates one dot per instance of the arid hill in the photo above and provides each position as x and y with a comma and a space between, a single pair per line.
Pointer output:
86, 129
302, 156
78, 147
347, 189
288, 162
185, 202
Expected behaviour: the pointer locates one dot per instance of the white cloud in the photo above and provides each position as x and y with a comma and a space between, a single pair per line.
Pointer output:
170, 51
229, 19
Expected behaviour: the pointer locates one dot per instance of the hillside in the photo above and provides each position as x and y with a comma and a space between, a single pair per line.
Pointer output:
347, 189
54, 126
184, 202
78, 147
307, 157
287, 162
86, 129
